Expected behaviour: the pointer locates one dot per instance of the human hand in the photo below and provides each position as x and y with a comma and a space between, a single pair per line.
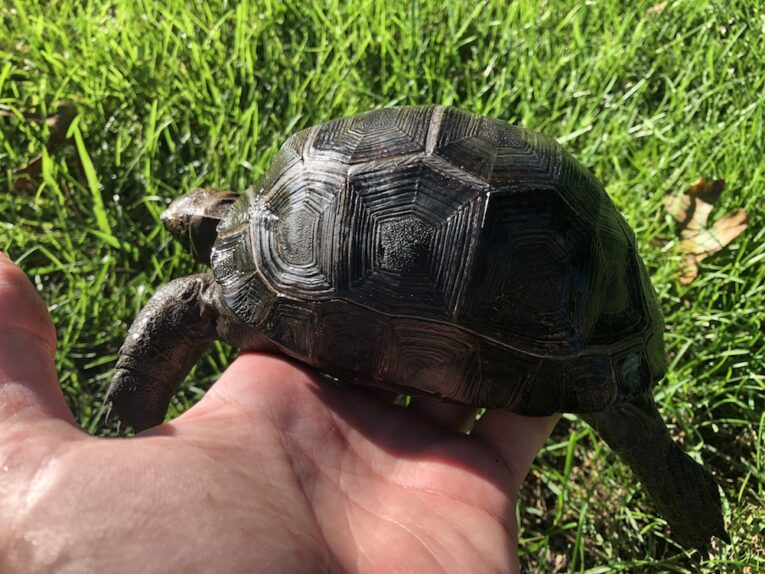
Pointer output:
272, 471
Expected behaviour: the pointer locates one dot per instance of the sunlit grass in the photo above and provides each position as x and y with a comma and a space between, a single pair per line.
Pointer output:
173, 96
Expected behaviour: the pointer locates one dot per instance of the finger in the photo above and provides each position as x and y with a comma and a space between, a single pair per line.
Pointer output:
515, 437
255, 382
29, 388
452, 416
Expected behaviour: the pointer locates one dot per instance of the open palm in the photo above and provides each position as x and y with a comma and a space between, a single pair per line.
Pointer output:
274, 471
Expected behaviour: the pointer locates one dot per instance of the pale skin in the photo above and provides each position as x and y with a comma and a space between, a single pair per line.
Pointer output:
273, 470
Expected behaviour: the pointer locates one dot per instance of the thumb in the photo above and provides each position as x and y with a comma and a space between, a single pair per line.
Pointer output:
29, 389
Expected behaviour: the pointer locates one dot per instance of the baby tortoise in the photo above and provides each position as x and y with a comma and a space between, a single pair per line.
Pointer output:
433, 252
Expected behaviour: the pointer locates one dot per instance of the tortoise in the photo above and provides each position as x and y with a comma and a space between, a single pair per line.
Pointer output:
434, 252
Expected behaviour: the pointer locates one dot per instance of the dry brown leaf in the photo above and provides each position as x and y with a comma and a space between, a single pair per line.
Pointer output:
678, 206
709, 241
689, 270
708, 190
656, 8
698, 241
692, 209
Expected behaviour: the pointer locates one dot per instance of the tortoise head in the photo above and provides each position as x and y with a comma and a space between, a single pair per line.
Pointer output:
193, 219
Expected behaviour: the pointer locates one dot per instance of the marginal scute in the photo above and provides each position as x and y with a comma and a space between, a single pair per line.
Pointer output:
291, 325
499, 377
341, 349
435, 358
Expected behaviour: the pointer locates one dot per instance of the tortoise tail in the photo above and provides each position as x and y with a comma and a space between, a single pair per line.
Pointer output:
684, 492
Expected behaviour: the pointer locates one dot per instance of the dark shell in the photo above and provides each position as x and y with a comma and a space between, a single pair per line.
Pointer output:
431, 249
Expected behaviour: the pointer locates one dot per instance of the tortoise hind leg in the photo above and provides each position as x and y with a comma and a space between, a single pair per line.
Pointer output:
170, 334
684, 492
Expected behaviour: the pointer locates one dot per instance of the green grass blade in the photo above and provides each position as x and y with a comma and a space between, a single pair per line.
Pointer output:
99, 212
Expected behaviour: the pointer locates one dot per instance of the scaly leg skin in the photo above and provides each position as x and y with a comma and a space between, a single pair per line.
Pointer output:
168, 337
684, 492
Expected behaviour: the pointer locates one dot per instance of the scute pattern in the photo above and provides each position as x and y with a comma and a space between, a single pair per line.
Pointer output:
501, 155
244, 290
411, 199
294, 232
375, 135
435, 356
288, 323
431, 249
343, 352
531, 277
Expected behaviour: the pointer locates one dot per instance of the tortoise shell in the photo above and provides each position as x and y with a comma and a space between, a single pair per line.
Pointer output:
442, 253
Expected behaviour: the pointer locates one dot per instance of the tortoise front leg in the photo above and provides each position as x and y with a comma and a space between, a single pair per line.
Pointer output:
168, 337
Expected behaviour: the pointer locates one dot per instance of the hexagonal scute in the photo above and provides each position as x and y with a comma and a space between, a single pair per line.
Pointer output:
295, 235
531, 277
296, 240
374, 135
500, 154
411, 229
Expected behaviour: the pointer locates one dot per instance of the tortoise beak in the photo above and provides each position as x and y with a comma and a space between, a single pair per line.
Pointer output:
176, 221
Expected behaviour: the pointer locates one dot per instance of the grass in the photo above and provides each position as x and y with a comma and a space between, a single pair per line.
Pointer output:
171, 97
